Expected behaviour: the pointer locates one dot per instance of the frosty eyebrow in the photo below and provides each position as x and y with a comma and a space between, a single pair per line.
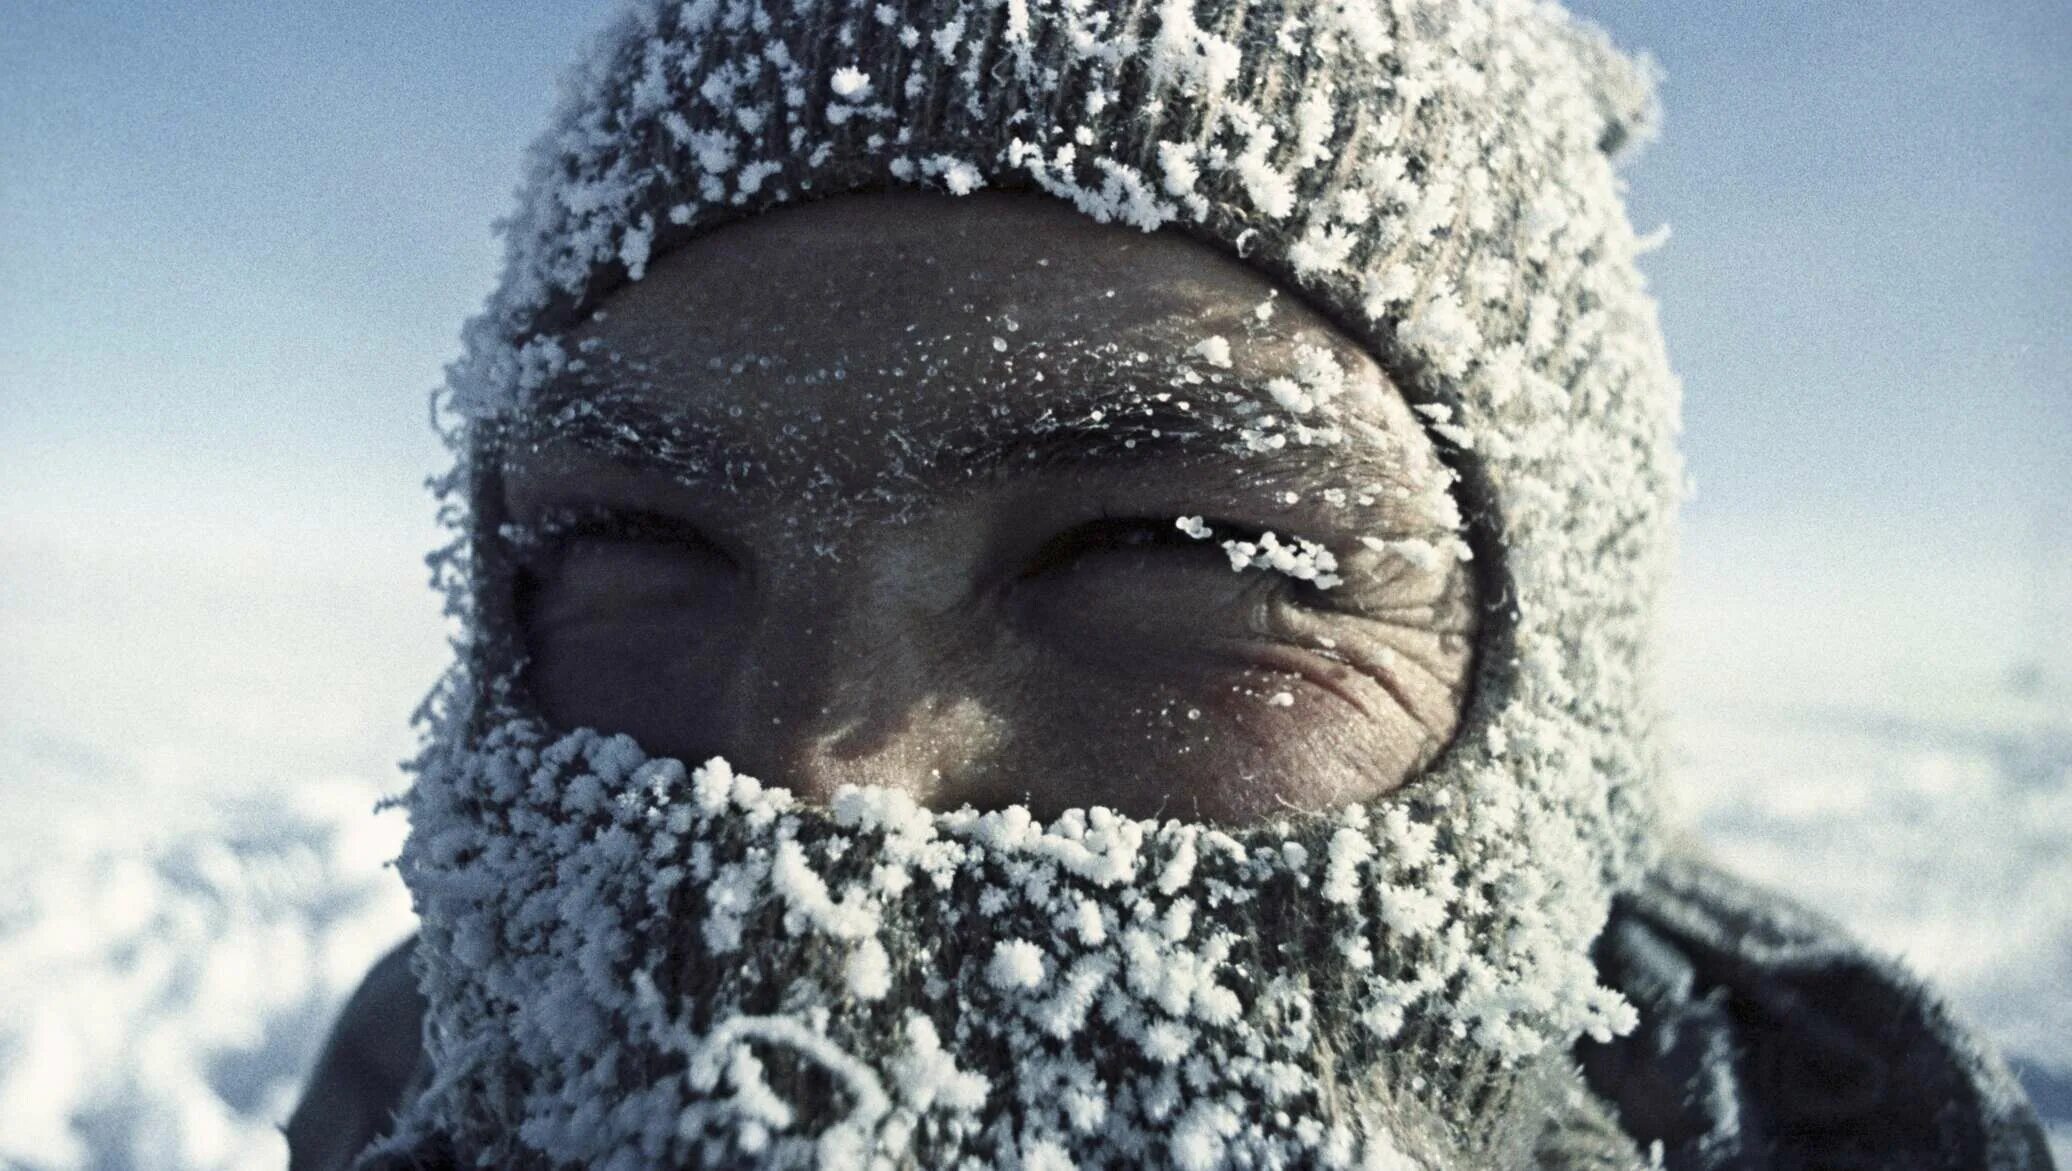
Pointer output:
1146, 429
630, 433
1096, 428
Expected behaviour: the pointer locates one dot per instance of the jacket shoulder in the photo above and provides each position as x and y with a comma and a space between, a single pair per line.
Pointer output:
1770, 1038
374, 1052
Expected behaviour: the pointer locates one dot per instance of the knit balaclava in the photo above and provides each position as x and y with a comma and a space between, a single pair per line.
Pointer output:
635, 962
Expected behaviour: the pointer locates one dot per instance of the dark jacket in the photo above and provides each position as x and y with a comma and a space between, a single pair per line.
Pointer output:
1768, 1039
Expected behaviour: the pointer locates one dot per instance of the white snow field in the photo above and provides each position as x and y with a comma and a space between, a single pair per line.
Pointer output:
192, 880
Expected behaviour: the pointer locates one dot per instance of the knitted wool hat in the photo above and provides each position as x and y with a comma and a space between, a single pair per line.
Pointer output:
1434, 177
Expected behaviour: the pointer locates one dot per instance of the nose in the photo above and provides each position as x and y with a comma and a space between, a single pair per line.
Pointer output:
862, 678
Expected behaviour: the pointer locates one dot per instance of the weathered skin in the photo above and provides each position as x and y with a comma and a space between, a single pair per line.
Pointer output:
886, 575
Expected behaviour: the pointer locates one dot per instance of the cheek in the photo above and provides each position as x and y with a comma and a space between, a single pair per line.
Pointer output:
629, 640
645, 686
1221, 696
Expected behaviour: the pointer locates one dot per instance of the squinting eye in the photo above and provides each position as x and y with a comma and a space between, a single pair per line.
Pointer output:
1121, 585
614, 567
1140, 535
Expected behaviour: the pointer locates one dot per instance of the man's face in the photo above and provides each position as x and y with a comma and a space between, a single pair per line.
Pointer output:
890, 490
929, 515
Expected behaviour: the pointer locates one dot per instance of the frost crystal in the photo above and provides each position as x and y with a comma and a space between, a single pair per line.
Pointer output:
1016, 964
1301, 559
1215, 350
849, 82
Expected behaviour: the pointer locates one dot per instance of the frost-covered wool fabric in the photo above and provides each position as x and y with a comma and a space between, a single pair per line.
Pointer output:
629, 962
642, 966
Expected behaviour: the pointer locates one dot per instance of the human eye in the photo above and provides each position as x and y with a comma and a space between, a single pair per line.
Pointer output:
1147, 579
1299, 568
1135, 538
578, 568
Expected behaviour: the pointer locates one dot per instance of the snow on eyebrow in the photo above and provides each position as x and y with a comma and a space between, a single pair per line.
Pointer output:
1096, 408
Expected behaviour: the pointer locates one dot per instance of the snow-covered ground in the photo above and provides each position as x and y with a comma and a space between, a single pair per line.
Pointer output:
191, 876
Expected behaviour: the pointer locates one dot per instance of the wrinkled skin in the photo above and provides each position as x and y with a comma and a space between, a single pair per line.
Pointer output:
953, 567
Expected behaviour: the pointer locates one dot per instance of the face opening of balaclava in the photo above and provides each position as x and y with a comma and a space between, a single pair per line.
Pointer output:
637, 962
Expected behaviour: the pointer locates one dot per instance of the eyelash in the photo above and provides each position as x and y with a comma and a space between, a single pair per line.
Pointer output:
538, 545
1103, 535
1128, 532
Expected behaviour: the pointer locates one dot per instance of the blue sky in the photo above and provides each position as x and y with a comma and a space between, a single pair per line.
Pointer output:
1867, 286
242, 235
230, 229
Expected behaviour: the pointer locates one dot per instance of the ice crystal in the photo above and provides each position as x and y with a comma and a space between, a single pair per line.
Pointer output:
1298, 557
